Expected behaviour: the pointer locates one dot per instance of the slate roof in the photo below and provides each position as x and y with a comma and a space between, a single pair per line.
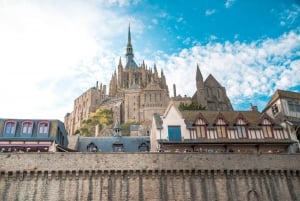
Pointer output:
105, 144
158, 120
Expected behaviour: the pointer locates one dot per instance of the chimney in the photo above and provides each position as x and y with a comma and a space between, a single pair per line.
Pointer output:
253, 107
174, 90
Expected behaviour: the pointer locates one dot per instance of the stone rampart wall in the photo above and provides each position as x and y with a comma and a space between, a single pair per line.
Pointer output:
149, 176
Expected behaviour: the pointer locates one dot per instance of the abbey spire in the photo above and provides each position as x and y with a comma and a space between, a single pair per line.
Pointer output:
130, 63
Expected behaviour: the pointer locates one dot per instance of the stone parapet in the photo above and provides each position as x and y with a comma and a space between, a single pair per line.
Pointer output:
149, 176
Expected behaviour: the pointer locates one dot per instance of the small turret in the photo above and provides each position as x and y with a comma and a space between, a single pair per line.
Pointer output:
117, 129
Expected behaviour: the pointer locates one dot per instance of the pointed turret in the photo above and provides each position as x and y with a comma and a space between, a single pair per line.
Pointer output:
199, 77
129, 52
200, 96
120, 63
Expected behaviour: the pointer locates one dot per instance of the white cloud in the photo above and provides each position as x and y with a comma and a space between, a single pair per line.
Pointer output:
246, 70
180, 19
209, 12
154, 21
51, 53
229, 3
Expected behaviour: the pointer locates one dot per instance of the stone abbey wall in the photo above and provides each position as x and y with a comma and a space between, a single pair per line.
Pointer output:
149, 176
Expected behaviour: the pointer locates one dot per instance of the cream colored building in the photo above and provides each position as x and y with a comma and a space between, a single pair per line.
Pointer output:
218, 131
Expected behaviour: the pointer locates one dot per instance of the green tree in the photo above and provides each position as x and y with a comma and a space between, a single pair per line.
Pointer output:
97, 120
192, 106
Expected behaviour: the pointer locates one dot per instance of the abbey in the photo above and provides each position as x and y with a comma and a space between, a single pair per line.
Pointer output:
138, 92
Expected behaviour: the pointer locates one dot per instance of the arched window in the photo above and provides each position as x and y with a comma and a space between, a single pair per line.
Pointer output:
144, 147
252, 195
27, 127
92, 147
43, 127
10, 127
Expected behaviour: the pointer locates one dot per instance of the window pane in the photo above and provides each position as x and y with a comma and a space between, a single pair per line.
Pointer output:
24, 130
10, 128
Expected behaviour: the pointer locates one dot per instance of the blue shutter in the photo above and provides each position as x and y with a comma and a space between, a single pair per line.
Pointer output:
174, 133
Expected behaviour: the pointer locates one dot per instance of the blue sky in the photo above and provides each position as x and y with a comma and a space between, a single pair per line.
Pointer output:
53, 51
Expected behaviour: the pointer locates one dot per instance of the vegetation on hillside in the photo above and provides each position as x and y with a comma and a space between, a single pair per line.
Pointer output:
192, 106
125, 128
99, 119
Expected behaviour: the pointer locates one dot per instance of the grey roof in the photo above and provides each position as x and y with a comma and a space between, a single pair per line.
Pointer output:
131, 63
105, 144
158, 121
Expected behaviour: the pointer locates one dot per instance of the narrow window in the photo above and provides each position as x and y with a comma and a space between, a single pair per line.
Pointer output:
201, 128
275, 109
267, 128
212, 134
241, 128
221, 128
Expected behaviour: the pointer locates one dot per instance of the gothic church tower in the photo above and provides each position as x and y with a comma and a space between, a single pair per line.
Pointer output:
144, 92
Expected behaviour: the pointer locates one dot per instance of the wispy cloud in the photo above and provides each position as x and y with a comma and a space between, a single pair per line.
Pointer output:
229, 3
51, 53
290, 16
209, 12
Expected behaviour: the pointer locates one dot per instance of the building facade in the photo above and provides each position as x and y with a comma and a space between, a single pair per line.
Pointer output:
218, 132
28, 135
284, 108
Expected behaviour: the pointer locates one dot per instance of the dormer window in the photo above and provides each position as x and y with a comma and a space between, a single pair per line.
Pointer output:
10, 127
118, 147
92, 147
43, 127
144, 147
27, 127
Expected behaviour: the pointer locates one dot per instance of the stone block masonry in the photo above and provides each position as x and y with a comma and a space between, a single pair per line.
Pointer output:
149, 176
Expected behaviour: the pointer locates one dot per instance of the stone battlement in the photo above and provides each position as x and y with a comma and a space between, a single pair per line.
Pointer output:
149, 176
